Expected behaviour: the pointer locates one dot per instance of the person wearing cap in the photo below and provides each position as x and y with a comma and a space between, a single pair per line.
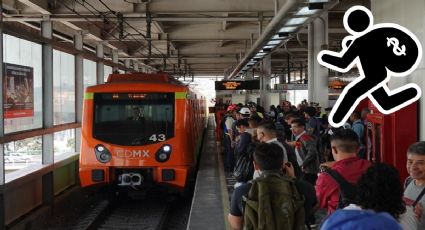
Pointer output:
245, 112
229, 160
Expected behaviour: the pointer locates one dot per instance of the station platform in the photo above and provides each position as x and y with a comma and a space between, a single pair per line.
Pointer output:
210, 204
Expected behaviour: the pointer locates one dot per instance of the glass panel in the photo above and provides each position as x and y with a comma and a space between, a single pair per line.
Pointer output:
20, 154
64, 142
63, 87
107, 70
23, 84
133, 118
89, 73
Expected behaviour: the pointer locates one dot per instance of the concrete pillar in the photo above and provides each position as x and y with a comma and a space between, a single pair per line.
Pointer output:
410, 16
317, 74
47, 145
136, 66
115, 60
2, 178
266, 68
79, 86
100, 75
127, 64
47, 62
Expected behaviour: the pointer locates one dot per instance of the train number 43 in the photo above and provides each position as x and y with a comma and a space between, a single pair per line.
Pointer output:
157, 137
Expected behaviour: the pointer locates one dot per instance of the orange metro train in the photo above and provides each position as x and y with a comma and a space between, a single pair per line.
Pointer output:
140, 129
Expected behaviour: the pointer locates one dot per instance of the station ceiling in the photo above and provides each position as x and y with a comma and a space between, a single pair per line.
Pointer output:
200, 37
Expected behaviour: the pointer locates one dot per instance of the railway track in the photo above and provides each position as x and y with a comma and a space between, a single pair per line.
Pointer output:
153, 212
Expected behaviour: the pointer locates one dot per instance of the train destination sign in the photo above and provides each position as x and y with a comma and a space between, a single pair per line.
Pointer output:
237, 85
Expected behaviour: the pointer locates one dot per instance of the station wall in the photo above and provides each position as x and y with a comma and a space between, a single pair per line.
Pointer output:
409, 14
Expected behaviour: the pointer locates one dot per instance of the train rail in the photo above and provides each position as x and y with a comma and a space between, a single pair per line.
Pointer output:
156, 212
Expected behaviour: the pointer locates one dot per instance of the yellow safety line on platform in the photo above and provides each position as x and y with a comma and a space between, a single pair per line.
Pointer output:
223, 185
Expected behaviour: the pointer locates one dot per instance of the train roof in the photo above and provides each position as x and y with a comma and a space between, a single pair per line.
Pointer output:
134, 82
143, 78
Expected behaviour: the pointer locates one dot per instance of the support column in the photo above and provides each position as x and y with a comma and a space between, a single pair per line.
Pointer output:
100, 75
127, 64
317, 74
266, 68
47, 146
79, 86
2, 177
115, 60
136, 66
2, 173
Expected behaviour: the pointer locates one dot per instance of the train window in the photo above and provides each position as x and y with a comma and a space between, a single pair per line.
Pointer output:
133, 118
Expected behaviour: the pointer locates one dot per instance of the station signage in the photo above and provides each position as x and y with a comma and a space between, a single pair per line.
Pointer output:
237, 85
291, 87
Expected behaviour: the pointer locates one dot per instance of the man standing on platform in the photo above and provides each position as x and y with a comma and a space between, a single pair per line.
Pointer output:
415, 190
344, 145
305, 146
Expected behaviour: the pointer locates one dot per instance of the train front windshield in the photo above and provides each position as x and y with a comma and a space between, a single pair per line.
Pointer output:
133, 118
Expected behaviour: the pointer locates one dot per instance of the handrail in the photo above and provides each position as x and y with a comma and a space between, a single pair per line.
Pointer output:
37, 132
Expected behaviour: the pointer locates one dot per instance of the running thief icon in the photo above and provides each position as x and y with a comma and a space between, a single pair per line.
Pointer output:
379, 51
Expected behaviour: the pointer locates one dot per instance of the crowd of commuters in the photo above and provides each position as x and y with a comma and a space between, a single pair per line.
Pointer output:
297, 145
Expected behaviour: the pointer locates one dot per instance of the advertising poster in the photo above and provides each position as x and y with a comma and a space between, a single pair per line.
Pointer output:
18, 91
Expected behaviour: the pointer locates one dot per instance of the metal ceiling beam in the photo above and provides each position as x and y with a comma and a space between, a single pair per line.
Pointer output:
269, 31
193, 6
224, 19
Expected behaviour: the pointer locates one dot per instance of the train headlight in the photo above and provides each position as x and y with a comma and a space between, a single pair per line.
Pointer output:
163, 154
166, 148
102, 154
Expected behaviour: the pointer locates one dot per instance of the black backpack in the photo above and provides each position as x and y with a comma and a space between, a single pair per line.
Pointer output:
347, 191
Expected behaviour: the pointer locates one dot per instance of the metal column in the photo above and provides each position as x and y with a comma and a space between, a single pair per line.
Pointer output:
115, 60
265, 81
136, 66
47, 152
79, 86
100, 75
127, 64
2, 177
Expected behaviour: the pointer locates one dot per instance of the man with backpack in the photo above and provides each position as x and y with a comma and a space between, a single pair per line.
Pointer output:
348, 166
270, 201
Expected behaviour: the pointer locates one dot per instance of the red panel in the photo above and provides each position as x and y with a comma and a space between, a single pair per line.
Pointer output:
392, 134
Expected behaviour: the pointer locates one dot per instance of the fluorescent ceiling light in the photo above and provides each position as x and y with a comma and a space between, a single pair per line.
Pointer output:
286, 29
295, 21
277, 38
273, 42
317, 1
269, 46
306, 11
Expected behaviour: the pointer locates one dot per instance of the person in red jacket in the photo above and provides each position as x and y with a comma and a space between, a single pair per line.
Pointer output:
344, 145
